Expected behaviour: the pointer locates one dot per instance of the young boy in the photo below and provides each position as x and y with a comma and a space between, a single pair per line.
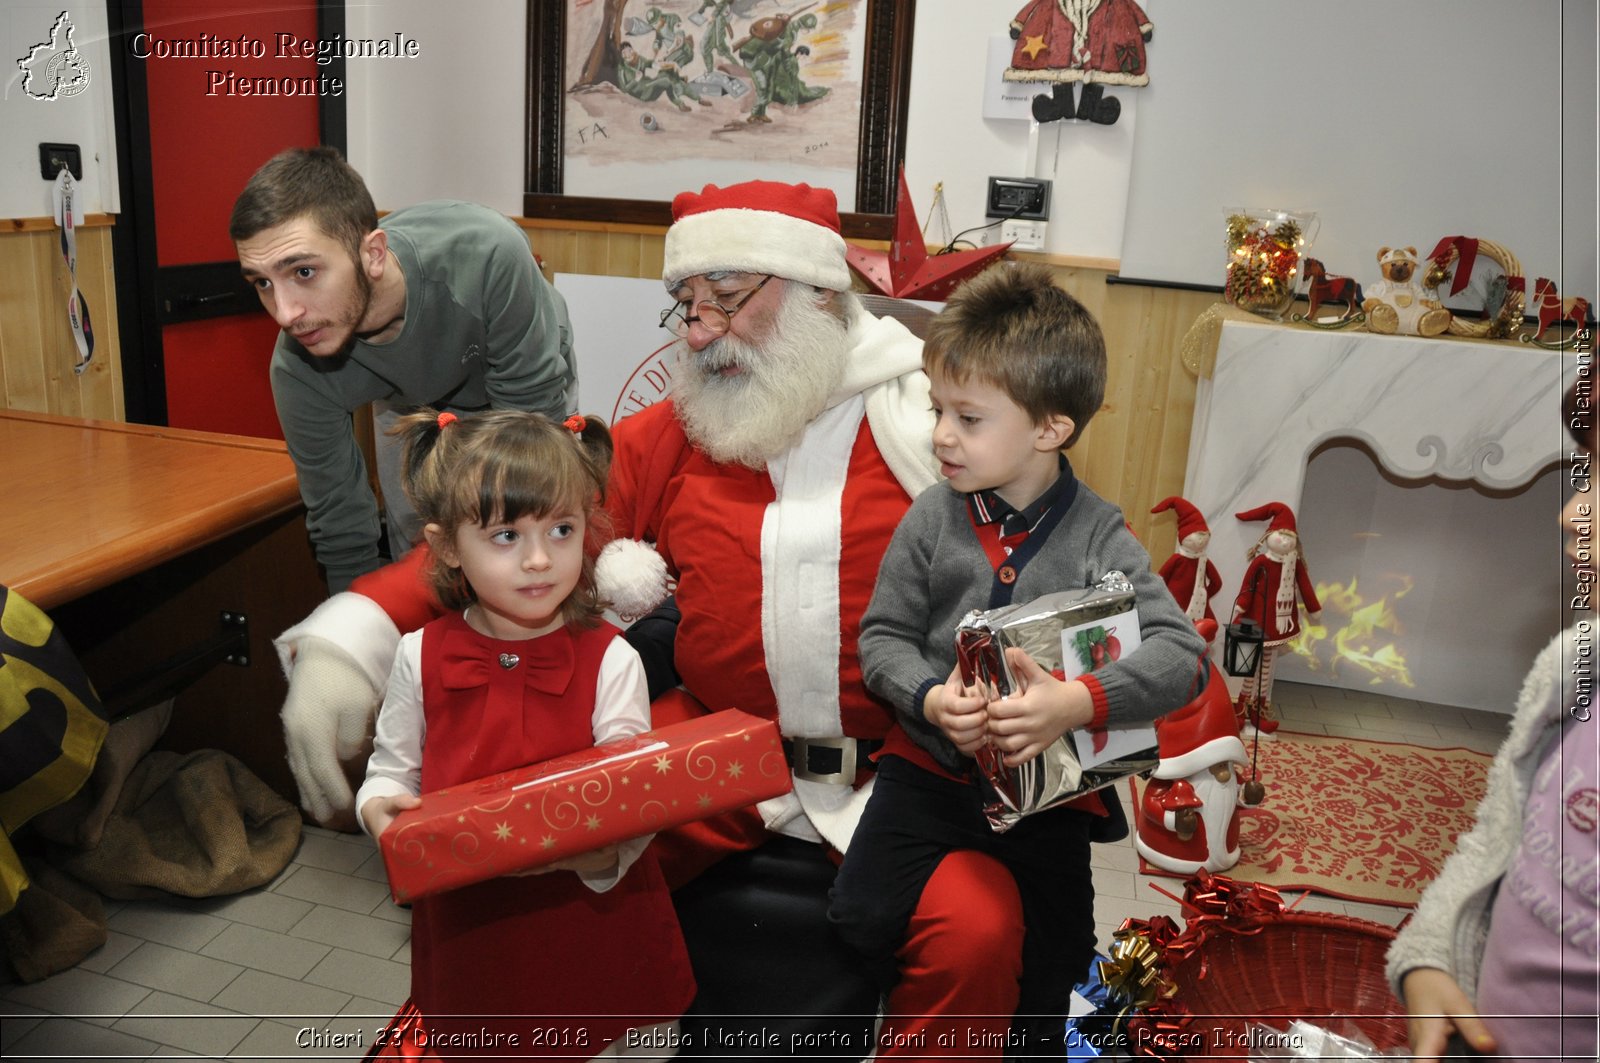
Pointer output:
1017, 368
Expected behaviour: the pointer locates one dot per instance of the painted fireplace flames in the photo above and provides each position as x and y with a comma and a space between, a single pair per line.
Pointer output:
1435, 417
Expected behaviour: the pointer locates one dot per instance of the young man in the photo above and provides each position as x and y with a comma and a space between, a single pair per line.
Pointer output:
442, 305
1017, 368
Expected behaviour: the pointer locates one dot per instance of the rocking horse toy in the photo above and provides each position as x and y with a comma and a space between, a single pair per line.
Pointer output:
1553, 310
1329, 288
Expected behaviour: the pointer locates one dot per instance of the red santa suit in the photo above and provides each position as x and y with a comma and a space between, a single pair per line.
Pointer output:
774, 567
1080, 40
1192, 741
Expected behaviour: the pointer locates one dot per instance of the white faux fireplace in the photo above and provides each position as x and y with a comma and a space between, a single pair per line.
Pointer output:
1426, 410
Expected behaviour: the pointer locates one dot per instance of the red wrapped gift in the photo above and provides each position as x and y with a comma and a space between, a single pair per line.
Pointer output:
533, 816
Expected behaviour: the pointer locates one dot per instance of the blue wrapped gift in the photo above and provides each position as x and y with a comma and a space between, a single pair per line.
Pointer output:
1092, 1027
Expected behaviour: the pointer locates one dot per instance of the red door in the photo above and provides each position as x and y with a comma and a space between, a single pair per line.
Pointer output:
206, 138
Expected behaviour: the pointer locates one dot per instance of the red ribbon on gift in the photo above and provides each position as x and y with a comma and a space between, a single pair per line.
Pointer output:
405, 1038
1466, 247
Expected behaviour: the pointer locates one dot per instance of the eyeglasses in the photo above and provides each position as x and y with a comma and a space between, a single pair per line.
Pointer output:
713, 315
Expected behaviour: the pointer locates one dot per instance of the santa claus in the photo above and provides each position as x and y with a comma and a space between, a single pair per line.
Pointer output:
1274, 587
1189, 810
769, 482
1182, 572
1093, 41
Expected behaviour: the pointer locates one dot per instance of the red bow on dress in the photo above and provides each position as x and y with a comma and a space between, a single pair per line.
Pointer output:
468, 660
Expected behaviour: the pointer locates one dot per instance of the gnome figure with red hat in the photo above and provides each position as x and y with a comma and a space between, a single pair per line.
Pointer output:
1188, 573
1275, 584
1189, 810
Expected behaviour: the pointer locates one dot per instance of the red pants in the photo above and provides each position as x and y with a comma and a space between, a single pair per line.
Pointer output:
962, 959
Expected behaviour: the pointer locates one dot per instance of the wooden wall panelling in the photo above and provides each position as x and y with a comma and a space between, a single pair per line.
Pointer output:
22, 343
37, 351
99, 386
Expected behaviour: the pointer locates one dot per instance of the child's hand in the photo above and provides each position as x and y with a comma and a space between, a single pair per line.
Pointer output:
1025, 722
959, 712
1435, 1005
379, 812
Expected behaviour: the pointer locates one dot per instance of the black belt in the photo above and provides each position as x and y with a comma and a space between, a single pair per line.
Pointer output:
833, 760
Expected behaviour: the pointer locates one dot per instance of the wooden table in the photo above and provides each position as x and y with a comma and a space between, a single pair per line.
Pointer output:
137, 539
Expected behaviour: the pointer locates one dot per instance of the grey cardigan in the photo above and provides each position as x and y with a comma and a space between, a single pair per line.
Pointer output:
935, 572
1451, 923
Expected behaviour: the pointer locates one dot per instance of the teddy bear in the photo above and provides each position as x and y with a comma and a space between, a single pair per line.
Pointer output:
1397, 303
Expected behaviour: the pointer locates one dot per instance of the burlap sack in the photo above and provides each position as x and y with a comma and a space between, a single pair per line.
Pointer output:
191, 824
80, 822
55, 924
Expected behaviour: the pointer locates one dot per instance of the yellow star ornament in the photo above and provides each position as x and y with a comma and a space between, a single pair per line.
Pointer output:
1033, 46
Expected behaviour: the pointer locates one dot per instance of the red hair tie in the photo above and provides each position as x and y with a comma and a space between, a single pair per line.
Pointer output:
447, 418
575, 424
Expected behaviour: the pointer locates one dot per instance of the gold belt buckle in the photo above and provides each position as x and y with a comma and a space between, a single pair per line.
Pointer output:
846, 775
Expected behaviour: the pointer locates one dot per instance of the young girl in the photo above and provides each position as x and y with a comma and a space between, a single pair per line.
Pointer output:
523, 670
1502, 956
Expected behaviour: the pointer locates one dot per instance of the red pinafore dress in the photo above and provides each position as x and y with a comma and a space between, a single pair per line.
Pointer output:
577, 968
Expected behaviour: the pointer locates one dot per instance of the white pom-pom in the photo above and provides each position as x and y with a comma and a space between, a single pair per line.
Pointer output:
631, 576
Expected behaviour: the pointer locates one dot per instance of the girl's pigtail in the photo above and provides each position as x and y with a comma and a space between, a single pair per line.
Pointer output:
596, 439
420, 432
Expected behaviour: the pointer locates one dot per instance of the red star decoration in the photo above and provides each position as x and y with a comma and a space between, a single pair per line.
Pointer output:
906, 271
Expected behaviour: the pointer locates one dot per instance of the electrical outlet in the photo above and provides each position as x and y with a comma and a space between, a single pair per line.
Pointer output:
53, 158
1023, 235
1019, 197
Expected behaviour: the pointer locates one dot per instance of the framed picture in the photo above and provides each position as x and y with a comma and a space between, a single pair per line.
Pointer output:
633, 101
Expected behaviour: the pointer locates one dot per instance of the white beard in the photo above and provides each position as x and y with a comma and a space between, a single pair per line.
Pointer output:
1078, 12
751, 417
1220, 799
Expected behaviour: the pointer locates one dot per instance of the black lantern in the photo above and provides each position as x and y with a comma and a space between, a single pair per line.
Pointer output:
1241, 648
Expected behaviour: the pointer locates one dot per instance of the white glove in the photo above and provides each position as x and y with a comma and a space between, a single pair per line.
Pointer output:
327, 722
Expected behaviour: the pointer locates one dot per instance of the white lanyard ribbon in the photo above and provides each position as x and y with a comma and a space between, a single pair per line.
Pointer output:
63, 196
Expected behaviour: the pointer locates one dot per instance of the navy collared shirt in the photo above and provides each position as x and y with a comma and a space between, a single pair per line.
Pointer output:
987, 507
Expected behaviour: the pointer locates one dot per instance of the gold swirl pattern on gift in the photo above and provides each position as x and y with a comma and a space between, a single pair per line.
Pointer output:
410, 847
563, 807
699, 765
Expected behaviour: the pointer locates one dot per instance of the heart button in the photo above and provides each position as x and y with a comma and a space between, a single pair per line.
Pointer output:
509, 660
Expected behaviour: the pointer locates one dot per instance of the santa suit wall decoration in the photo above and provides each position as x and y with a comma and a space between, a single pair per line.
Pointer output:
1062, 42
1188, 573
1275, 585
1189, 810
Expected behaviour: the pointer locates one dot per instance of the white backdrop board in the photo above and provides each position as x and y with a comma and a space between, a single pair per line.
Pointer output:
1399, 123
622, 364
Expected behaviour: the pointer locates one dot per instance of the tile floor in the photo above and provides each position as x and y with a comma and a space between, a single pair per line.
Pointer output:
295, 970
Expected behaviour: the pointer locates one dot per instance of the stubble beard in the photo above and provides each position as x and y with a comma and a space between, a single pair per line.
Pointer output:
349, 317
785, 383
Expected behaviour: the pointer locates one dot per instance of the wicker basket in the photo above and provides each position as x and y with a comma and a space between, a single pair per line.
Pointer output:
1325, 969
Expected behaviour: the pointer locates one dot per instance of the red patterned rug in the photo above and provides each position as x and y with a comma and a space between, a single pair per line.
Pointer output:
1363, 821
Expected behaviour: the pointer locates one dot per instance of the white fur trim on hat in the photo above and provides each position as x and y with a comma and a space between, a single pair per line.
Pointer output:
755, 241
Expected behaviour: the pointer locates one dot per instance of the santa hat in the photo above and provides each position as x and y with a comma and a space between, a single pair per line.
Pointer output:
1189, 518
789, 231
1282, 516
1202, 733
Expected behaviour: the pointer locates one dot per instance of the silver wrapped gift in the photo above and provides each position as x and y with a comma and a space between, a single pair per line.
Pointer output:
1068, 633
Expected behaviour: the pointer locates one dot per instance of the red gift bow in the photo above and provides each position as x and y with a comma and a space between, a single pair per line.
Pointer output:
1467, 248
